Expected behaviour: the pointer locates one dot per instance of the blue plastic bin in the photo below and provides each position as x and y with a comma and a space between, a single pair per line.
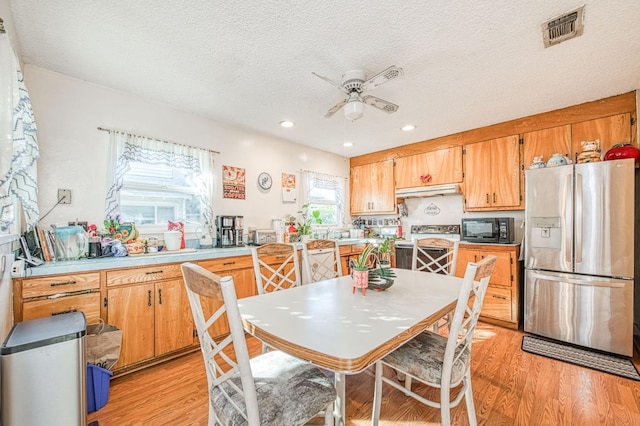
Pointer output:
97, 387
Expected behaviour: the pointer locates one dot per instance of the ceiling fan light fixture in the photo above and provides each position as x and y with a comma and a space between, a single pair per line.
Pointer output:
354, 110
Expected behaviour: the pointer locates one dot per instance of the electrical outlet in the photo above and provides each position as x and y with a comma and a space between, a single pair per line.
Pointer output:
64, 196
17, 268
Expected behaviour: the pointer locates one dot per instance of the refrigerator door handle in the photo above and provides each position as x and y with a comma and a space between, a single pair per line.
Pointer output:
578, 218
616, 284
568, 201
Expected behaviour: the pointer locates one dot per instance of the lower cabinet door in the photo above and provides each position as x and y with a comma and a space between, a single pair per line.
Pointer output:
173, 319
497, 303
131, 309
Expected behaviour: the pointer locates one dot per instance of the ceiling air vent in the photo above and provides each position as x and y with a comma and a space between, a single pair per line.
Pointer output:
564, 27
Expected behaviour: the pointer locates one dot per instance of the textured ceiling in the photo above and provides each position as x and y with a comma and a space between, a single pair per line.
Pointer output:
249, 63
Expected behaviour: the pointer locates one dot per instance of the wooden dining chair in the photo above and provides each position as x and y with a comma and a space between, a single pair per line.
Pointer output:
436, 255
438, 361
276, 267
270, 389
321, 260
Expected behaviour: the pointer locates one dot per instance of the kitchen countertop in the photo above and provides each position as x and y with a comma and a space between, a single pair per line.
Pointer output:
186, 255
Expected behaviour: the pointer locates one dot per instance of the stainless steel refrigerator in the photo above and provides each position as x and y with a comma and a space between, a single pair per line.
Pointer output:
579, 240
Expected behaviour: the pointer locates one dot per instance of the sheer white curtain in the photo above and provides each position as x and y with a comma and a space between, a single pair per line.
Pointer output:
18, 145
125, 148
320, 188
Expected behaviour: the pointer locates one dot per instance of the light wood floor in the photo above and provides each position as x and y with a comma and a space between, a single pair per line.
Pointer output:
510, 387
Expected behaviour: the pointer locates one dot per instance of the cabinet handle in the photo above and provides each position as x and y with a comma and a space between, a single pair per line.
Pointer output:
154, 272
149, 299
105, 302
499, 297
63, 283
160, 296
64, 312
229, 263
487, 198
494, 198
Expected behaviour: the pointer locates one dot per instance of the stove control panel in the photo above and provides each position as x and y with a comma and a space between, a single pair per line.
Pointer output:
435, 229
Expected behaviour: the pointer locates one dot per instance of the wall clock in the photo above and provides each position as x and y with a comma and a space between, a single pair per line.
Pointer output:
264, 180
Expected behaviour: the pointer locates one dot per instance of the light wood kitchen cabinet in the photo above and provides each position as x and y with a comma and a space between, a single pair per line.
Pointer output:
40, 297
492, 175
348, 252
241, 269
502, 301
442, 165
372, 189
151, 307
545, 143
609, 130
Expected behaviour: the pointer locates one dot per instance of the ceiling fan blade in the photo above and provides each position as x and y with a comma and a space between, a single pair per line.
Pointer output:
335, 108
382, 77
381, 104
339, 86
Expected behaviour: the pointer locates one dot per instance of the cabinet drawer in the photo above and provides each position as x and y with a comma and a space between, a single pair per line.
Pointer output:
141, 275
36, 287
227, 263
344, 249
358, 248
497, 303
88, 303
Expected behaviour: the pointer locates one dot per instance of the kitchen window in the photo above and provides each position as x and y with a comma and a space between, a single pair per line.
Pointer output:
152, 182
324, 193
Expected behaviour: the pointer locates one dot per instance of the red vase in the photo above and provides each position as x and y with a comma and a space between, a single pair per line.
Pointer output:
621, 150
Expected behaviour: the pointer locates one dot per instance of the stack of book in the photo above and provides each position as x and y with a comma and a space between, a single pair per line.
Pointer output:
42, 244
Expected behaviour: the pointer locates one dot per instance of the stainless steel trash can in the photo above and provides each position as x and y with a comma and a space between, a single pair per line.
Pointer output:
43, 371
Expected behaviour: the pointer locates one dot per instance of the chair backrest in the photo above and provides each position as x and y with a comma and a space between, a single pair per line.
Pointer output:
321, 260
219, 364
437, 255
275, 267
465, 317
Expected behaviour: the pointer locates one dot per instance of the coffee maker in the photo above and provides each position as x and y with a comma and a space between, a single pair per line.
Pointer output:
224, 231
229, 231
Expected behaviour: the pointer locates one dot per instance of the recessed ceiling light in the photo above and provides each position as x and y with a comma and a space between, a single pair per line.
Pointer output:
286, 123
408, 127
347, 144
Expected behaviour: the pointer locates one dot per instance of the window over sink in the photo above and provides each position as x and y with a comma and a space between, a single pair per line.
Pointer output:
324, 193
151, 182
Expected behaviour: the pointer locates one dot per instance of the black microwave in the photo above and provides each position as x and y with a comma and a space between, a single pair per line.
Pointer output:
488, 230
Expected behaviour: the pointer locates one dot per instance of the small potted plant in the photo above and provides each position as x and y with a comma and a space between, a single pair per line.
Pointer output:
360, 269
384, 251
303, 226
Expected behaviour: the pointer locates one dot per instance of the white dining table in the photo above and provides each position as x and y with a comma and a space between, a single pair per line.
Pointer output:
329, 325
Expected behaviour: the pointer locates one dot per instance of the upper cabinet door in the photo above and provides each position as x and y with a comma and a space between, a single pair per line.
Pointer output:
372, 189
492, 174
477, 182
505, 172
545, 143
442, 166
609, 130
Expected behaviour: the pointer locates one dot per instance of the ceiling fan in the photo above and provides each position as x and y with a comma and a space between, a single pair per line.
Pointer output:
354, 83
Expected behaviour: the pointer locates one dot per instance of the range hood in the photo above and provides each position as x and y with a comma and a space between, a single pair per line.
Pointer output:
428, 191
